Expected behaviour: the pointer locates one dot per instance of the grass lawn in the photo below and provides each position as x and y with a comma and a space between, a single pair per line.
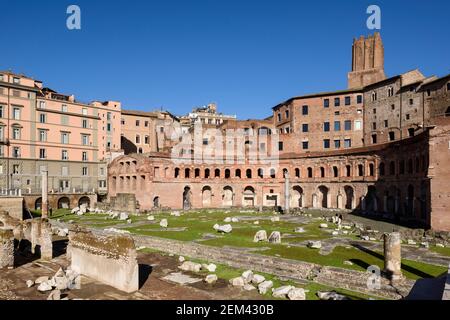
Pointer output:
197, 224
227, 273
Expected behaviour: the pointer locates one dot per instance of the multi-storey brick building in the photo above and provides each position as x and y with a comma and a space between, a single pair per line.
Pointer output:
379, 147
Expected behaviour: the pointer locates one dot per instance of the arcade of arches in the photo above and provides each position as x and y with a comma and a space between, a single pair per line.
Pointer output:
391, 180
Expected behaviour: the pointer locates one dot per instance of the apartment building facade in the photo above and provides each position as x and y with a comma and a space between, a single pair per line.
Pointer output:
43, 130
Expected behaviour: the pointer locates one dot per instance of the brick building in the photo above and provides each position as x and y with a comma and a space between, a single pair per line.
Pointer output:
380, 147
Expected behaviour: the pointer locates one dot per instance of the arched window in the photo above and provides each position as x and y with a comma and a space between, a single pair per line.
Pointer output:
261, 173
207, 173
335, 172
382, 169
360, 170
310, 172
237, 173
197, 173
187, 172
410, 166
374, 96
402, 167
371, 170
322, 172
392, 168
177, 173
227, 174
248, 173
297, 172
217, 173
348, 170
272, 173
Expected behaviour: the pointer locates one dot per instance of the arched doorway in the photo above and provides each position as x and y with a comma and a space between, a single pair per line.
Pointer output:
38, 204
227, 196
297, 197
156, 203
349, 198
63, 203
84, 201
323, 196
187, 198
206, 196
371, 199
248, 197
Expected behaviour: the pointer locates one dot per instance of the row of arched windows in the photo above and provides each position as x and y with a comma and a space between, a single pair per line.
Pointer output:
262, 173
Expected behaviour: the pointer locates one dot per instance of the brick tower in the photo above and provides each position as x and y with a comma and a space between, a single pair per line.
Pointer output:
367, 61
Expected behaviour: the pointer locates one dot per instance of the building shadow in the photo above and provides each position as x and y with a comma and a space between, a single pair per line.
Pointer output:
379, 256
144, 273
428, 289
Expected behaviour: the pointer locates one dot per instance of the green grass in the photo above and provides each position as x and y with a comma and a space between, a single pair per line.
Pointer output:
443, 251
199, 223
226, 272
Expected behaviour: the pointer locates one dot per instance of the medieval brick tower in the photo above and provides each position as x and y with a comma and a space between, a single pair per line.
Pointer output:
367, 61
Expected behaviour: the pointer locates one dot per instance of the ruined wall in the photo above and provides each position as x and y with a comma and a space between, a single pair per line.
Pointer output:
14, 205
111, 259
6, 248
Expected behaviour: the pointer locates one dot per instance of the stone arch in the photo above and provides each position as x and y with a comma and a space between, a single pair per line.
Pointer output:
187, 198
227, 196
249, 197
84, 201
64, 203
38, 204
206, 196
297, 197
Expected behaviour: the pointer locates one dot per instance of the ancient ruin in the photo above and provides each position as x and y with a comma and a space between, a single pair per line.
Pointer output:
110, 259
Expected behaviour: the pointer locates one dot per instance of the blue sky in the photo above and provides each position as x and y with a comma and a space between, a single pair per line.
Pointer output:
245, 55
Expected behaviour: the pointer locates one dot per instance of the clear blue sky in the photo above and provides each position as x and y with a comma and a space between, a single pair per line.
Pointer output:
246, 55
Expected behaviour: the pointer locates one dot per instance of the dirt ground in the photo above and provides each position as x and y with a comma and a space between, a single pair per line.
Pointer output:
152, 268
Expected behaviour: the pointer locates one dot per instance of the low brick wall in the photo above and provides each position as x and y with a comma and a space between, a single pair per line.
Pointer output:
295, 270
